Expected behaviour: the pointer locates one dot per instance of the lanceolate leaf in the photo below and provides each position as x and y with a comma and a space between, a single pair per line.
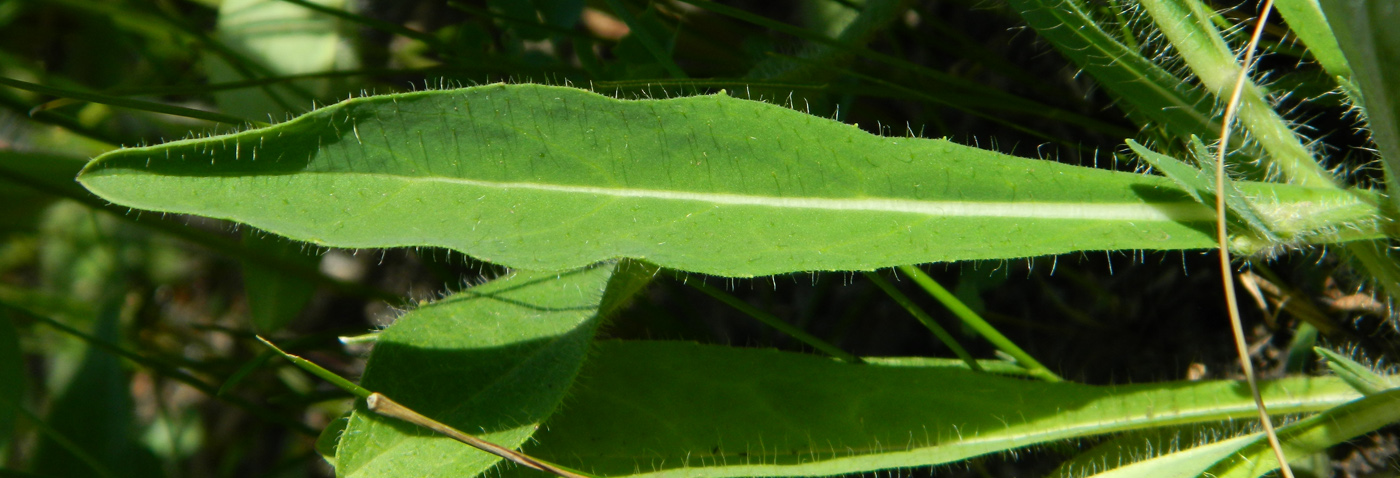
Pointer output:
494, 360
681, 409
550, 178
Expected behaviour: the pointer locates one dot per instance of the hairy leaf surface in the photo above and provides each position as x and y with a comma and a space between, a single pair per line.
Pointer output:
494, 361
683, 409
550, 178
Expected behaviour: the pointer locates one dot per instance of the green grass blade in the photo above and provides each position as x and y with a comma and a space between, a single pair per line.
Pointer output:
20, 108
94, 412
977, 323
493, 360
319, 371
548, 178
1305, 19
774, 322
1183, 464
34, 308
1360, 377
158, 26
668, 409
1139, 84
58, 439
925, 319
376, 24
1368, 37
129, 103
974, 95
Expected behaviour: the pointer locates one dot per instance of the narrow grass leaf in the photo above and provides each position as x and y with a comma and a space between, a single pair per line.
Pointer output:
493, 361
94, 413
1360, 377
1311, 435
672, 409
1182, 464
1305, 19
1140, 85
1367, 34
127, 103
550, 178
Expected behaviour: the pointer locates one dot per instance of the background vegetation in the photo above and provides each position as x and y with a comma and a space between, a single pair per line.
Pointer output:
136, 331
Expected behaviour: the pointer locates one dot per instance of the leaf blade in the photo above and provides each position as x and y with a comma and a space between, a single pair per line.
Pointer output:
549, 178
494, 360
649, 408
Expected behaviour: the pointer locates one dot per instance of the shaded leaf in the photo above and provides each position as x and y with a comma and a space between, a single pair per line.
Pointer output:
1140, 85
494, 361
94, 413
683, 409
1367, 34
274, 298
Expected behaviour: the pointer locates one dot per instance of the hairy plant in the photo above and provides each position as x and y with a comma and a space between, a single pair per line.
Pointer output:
575, 201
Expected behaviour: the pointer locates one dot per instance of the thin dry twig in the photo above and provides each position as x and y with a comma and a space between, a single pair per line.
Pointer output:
378, 403
1226, 277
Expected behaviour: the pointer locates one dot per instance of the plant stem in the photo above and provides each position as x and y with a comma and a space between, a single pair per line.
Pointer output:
378, 403
775, 322
1222, 238
317, 370
169, 371
977, 323
924, 318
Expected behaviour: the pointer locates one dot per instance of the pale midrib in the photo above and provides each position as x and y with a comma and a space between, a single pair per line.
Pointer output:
1167, 211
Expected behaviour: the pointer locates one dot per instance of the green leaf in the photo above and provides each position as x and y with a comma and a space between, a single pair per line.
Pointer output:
1183, 464
283, 38
329, 439
1201, 185
493, 361
274, 298
550, 178
1140, 85
1358, 376
94, 414
1311, 435
1125, 449
1367, 34
1306, 20
683, 409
